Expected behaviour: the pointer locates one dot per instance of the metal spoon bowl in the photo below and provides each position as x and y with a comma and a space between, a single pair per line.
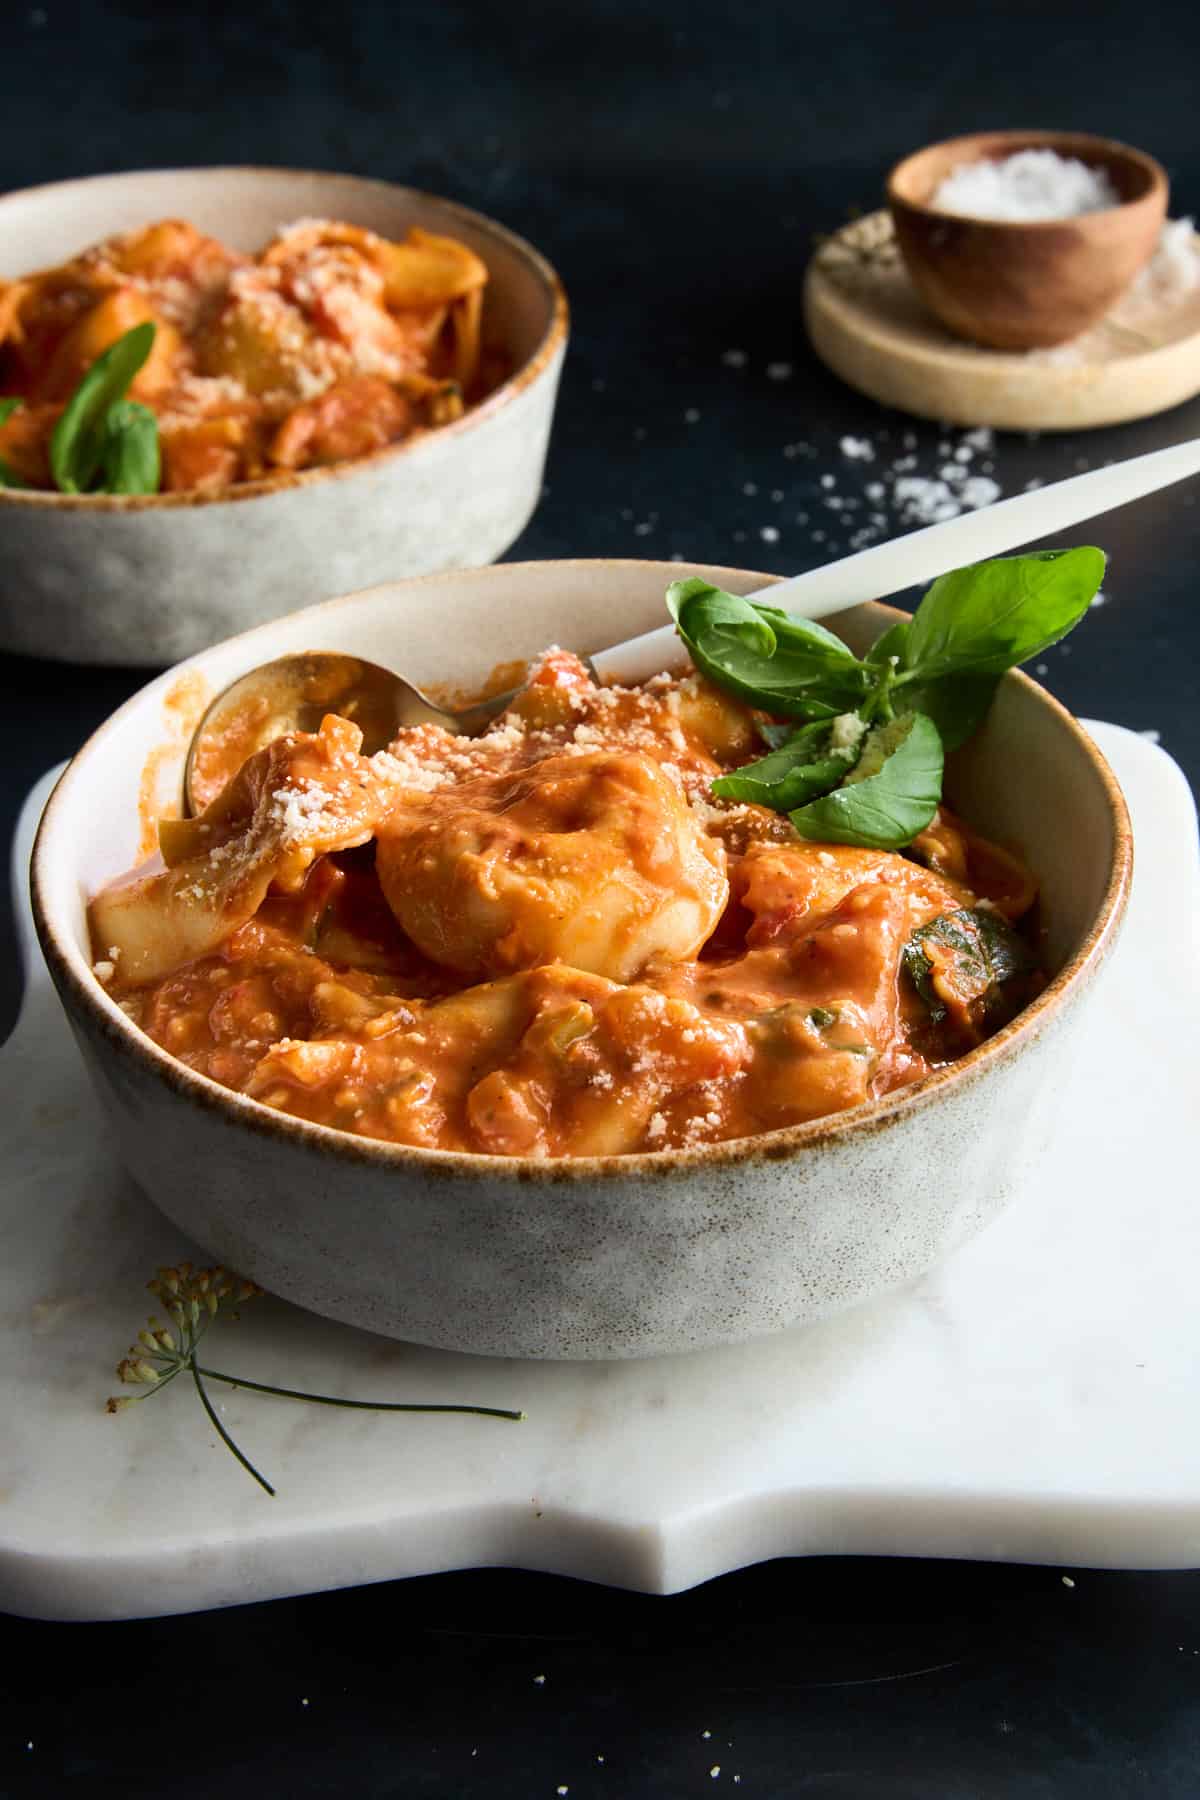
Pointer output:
293, 694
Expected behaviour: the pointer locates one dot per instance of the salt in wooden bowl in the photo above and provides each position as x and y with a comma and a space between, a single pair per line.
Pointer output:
1023, 284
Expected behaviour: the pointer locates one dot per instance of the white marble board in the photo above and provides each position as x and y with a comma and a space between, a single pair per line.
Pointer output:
1034, 1399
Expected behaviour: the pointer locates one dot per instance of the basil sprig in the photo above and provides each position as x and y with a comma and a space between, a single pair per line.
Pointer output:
924, 687
104, 443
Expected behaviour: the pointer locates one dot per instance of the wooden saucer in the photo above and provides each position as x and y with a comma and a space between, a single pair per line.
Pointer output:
867, 323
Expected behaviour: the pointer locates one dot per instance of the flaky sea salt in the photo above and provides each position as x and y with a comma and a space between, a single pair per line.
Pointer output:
1032, 184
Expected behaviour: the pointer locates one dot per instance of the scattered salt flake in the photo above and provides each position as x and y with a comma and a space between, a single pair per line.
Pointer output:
1099, 598
779, 371
1151, 736
857, 449
924, 501
750, 488
769, 534
539, 1681
706, 1734
980, 490
1042, 669
692, 416
828, 481
715, 1770
777, 494
304, 1699
1067, 1582
735, 359
562, 1789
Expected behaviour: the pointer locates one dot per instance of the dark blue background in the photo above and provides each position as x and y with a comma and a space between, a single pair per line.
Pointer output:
675, 162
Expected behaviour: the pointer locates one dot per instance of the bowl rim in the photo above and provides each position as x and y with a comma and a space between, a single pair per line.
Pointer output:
1157, 188
285, 480
79, 987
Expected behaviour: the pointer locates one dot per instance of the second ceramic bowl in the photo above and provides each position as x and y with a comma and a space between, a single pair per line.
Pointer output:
146, 580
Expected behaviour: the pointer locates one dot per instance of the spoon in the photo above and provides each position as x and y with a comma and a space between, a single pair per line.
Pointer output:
294, 692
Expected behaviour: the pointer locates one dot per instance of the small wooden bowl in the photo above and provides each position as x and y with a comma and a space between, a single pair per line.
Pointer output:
1025, 284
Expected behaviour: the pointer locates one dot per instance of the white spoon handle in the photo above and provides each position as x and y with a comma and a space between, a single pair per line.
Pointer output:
921, 556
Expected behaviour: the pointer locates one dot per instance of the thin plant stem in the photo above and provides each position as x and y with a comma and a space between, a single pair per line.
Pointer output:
224, 1435
262, 1387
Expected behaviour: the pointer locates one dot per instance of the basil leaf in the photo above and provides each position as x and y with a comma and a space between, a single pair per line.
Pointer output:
802, 768
8, 406
786, 665
889, 797
77, 445
957, 704
892, 643
987, 618
987, 957
130, 462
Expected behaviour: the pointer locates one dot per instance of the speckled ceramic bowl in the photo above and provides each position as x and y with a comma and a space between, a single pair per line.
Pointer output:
150, 579
607, 1257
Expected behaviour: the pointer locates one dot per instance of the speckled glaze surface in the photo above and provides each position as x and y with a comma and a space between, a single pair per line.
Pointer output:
149, 580
600, 1258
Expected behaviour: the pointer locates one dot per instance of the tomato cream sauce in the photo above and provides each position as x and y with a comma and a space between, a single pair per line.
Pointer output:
546, 941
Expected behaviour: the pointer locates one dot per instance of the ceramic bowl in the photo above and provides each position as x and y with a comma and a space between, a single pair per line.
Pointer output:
1024, 284
147, 580
589, 1258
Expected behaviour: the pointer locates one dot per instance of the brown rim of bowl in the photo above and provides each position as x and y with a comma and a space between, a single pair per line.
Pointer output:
534, 365
1080, 141
128, 1040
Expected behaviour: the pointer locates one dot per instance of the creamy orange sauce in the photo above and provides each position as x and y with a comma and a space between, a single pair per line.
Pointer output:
183, 708
547, 941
